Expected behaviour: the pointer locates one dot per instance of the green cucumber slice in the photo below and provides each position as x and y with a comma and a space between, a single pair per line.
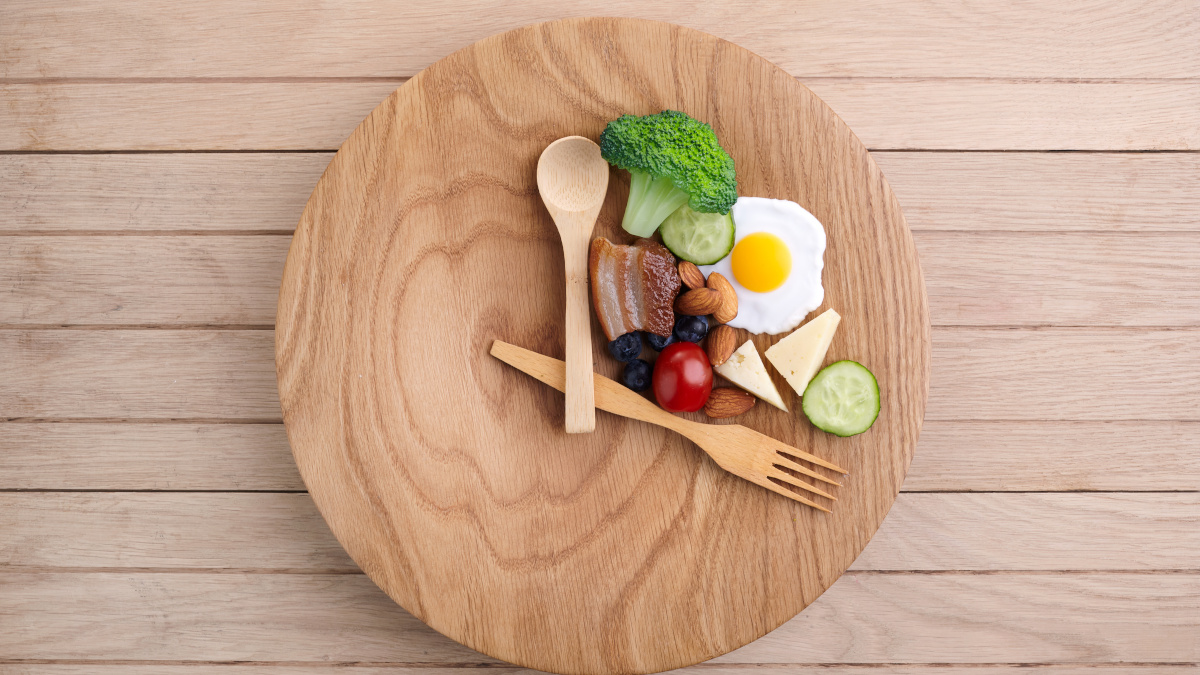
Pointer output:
843, 399
698, 237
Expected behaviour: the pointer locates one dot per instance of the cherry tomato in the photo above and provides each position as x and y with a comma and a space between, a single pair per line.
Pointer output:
682, 377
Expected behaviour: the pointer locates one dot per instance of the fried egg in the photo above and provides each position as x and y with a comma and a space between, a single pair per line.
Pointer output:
775, 265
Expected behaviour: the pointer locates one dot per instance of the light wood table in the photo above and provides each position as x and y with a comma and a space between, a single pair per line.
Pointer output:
156, 156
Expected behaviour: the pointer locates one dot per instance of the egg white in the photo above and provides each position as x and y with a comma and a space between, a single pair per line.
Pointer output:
785, 307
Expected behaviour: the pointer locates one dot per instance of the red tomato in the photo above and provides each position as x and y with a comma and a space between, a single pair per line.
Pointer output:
682, 378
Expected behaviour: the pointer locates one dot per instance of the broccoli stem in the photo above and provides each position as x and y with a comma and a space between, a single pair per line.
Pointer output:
651, 200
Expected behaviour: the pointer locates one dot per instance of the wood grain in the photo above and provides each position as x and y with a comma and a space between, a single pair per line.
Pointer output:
198, 616
919, 114
138, 374
290, 668
989, 115
973, 279
180, 192
221, 116
265, 192
1083, 279
864, 618
990, 618
1037, 532
978, 374
570, 551
1042, 192
905, 38
284, 532
131, 280
1064, 374
156, 456
1047, 456
274, 533
951, 456
243, 668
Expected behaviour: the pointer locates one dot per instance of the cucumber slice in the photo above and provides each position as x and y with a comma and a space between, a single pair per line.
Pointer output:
698, 237
842, 399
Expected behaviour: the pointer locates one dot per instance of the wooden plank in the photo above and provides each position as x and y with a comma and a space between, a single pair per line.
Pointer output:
265, 192
359, 38
863, 618
135, 280
1020, 279
274, 532
1122, 531
176, 192
1037, 192
243, 668
66, 456
138, 374
951, 456
1056, 456
1064, 374
284, 532
973, 278
978, 374
197, 616
955, 618
990, 115
920, 114
220, 116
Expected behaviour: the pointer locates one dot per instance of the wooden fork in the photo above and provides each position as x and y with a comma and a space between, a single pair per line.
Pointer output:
739, 450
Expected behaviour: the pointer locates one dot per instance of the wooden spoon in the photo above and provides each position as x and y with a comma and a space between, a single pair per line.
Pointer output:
572, 178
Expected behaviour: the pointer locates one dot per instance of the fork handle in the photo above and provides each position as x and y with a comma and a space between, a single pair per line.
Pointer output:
610, 396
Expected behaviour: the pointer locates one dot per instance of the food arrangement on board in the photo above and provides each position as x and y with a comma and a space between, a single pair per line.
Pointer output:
721, 263
744, 262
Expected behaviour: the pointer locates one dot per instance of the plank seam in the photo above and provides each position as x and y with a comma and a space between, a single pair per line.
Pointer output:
269, 327
141, 420
138, 326
153, 490
281, 232
275, 420
317, 572
55, 490
228, 233
401, 79
289, 151
484, 665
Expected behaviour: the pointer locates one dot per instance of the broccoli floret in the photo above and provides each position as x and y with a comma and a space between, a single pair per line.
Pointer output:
672, 159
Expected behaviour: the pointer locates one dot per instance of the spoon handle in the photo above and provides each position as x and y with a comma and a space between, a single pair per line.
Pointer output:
580, 401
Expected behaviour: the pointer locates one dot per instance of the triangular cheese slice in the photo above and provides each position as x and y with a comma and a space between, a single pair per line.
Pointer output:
798, 356
745, 369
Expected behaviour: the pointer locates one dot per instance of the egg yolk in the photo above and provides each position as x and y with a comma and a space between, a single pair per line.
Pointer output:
761, 262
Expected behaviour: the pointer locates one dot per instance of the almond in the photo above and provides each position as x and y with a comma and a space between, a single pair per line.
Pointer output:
692, 276
728, 402
720, 344
698, 302
729, 303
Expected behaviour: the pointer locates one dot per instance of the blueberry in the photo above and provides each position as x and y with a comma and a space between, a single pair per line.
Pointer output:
691, 328
637, 375
626, 348
658, 342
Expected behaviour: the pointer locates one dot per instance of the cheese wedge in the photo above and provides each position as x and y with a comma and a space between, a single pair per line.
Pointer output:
798, 356
745, 369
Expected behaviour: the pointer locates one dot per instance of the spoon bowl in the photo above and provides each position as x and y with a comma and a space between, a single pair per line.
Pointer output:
572, 178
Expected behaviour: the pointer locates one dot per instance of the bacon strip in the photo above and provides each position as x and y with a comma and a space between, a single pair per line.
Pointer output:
633, 287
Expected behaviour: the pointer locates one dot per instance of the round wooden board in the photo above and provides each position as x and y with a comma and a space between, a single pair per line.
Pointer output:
447, 475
